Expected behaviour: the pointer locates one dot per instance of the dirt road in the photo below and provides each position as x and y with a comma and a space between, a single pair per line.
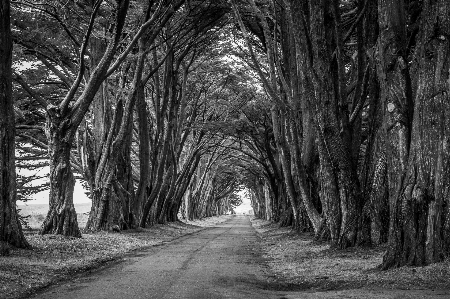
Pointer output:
219, 262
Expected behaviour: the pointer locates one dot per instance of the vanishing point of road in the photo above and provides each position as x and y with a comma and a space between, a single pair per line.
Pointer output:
219, 262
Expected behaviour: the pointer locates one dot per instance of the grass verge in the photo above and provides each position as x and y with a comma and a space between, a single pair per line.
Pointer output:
55, 258
298, 259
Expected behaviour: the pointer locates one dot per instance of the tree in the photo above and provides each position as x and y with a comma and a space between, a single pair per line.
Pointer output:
64, 55
62, 124
415, 89
176, 108
333, 114
10, 227
108, 149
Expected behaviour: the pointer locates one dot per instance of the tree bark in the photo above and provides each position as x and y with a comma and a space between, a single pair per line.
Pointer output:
299, 170
182, 186
331, 121
61, 217
417, 228
396, 101
10, 227
285, 160
321, 58
267, 202
144, 154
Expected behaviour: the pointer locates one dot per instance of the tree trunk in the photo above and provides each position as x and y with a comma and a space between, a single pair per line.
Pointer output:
103, 206
114, 189
164, 128
124, 178
94, 143
267, 202
372, 166
144, 154
10, 228
417, 229
299, 171
61, 217
323, 86
396, 101
328, 195
182, 186
378, 199
285, 159
168, 197
114, 168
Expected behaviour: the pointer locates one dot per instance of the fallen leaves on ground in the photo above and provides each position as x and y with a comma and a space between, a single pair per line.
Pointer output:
296, 258
54, 258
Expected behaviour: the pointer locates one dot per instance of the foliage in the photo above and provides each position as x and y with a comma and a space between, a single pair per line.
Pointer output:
325, 113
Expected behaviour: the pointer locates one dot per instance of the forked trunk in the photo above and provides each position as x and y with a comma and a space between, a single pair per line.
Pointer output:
62, 123
114, 191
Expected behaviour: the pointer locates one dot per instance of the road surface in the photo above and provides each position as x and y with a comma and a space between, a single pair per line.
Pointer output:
219, 262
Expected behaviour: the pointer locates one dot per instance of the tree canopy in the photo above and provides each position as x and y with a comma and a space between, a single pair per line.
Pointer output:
332, 115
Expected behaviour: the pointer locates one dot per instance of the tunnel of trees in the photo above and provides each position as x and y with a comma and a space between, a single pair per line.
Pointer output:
334, 115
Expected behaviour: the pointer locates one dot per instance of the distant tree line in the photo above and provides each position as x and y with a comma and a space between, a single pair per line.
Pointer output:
332, 114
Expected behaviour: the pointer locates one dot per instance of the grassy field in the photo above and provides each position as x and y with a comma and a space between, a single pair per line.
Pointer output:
37, 213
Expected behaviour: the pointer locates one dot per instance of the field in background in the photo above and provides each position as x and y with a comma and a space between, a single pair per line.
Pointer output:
37, 213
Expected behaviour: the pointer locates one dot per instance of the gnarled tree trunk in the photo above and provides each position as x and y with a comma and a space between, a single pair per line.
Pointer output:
418, 222
61, 217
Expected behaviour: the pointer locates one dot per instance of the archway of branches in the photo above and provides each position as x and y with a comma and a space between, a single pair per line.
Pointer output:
168, 109
164, 135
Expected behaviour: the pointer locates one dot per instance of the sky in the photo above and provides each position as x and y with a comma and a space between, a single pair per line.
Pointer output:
80, 198
245, 207
42, 197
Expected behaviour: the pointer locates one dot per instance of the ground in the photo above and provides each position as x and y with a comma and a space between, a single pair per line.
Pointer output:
353, 273
218, 262
230, 258
55, 258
